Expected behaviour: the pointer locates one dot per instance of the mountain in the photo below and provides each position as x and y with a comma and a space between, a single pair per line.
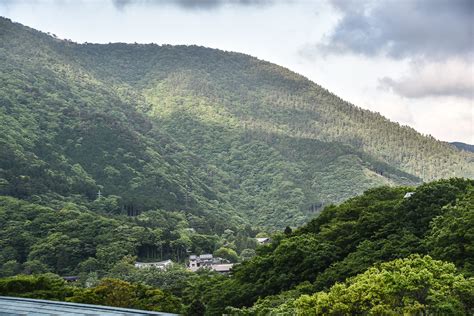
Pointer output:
225, 138
463, 146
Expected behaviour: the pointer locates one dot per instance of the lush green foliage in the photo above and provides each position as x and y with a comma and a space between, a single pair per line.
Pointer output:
451, 237
224, 137
345, 240
43, 286
71, 239
110, 292
119, 293
413, 286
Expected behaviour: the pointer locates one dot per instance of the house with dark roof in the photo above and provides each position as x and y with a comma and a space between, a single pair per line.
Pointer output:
208, 261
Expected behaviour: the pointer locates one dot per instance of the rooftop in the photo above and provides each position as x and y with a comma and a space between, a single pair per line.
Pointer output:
26, 306
409, 194
222, 267
157, 263
262, 240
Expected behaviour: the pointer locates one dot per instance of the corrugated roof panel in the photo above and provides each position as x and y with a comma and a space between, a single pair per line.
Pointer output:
31, 307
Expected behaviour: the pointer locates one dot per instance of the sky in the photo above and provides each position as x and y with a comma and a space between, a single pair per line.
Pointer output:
410, 60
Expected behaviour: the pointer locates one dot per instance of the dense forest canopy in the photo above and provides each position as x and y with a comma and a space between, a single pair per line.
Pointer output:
408, 254
215, 134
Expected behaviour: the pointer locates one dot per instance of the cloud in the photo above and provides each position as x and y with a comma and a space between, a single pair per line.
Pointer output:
433, 29
191, 4
454, 77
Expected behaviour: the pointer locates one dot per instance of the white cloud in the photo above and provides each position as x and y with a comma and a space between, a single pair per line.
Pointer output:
449, 119
454, 77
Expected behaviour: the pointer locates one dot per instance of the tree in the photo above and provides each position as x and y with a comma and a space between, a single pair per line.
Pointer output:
89, 265
108, 255
114, 292
227, 253
35, 267
58, 251
452, 234
43, 286
197, 308
415, 285
10, 268
123, 269
111, 292
247, 254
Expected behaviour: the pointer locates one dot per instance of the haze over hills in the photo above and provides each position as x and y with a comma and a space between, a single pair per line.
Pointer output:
464, 146
224, 137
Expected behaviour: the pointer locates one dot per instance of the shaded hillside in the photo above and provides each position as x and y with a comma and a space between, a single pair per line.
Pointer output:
238, 90
64, 132
216, 134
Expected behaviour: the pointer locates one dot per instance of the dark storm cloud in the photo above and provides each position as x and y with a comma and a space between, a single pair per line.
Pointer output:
417, 28
191, 4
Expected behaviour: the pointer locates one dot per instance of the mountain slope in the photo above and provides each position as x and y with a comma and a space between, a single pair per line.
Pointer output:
463, 146
263, 96
379, 226
212, 133
66, 133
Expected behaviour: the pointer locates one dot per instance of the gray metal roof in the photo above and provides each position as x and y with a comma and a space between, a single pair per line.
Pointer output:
32, 307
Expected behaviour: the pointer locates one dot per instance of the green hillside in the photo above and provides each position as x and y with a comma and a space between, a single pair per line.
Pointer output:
224, 137
65, 133
380, 253
379, 226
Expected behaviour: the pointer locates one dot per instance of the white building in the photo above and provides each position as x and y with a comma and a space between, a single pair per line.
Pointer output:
222, 268
163, 265
408, 195
263, 240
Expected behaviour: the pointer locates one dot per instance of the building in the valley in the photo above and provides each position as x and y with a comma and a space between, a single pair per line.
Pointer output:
163, 265
263, 240
222, 268
208, 261
71, 278
408, 195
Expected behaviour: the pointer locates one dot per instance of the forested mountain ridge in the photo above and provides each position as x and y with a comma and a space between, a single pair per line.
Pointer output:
66, 133
220, 135
263, 97
464, 146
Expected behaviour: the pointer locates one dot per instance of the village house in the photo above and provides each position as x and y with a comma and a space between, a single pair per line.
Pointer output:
263, 240
207, 261
408, 195
163, 265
